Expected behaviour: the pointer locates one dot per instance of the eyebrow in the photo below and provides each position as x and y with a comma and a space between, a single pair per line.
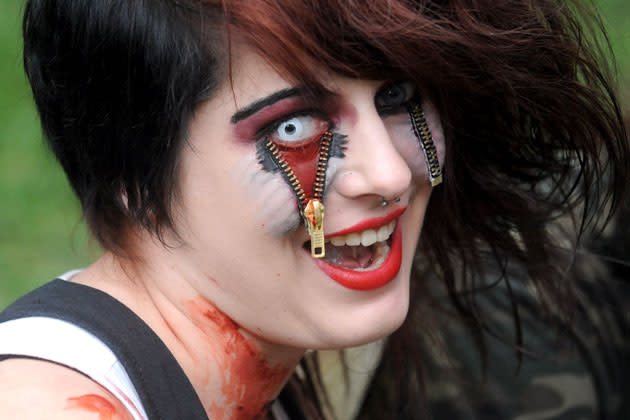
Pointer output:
256, 106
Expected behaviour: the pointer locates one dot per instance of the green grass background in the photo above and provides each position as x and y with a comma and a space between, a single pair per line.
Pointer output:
41, 231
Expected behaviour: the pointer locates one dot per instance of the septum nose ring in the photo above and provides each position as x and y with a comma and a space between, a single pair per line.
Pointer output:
385, 203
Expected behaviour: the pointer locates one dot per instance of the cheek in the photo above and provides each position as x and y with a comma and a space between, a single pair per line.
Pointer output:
435, 125
271, 199
408, 145
335, 164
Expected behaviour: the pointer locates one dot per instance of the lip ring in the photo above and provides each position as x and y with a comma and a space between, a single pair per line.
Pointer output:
368, 280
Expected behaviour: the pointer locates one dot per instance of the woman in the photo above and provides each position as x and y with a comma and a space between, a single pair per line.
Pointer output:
258, 173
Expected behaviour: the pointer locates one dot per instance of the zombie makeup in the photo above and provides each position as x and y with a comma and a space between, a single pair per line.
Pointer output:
305, 170
415, 129
298, 147
273, 199
246, 381
423, 133
369, 254
296, 141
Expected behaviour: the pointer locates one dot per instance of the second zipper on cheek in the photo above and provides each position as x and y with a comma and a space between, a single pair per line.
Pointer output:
423, 133
311, 208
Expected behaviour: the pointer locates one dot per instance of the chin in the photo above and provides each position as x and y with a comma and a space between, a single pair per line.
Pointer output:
375, 316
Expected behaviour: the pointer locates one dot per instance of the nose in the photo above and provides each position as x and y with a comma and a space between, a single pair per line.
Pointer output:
373, 166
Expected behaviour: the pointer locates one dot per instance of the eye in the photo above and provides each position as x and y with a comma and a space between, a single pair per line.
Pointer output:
298, 130
393, 96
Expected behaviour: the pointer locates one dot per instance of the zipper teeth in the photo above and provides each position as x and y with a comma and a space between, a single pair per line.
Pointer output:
421, 121
322, 164
287, 172
420, 124
320, 175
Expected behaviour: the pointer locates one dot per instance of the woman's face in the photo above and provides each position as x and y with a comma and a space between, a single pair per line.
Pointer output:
247, 249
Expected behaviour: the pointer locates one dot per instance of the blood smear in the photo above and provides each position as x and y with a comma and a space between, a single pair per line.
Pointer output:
94, 403
248, 382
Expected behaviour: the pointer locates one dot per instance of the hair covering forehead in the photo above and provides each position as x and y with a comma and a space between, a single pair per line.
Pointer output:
300, 38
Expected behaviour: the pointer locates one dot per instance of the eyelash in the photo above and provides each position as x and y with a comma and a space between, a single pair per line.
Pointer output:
266, 131
387, 111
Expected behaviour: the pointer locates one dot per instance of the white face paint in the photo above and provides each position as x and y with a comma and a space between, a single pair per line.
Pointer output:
437, 131
407, 143
271, 195
335, 165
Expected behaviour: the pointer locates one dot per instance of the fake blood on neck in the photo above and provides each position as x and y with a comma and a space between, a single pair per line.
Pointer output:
248, 382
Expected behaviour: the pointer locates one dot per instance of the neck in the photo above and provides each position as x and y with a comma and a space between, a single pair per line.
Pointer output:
235, 373
242, 374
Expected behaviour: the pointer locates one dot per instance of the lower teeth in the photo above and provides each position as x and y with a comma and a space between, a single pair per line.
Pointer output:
381, 251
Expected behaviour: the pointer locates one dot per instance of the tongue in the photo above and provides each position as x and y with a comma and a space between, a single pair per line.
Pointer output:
350, 257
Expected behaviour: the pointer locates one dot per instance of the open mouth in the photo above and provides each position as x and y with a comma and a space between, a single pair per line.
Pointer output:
360, 251
366, 256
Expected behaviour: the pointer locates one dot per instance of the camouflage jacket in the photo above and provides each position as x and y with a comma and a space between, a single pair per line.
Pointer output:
577, 374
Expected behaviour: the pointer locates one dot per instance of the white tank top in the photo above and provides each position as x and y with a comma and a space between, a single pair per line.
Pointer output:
64, 343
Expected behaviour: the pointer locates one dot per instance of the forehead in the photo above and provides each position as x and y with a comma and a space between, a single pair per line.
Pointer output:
250, 77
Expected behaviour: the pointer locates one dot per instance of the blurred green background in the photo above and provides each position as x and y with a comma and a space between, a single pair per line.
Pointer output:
41, 231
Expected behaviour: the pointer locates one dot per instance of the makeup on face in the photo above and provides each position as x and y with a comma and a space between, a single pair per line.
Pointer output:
367, 255
419, 139
254, 119
425, 138
296, 140
276, 209
402, 110
298, 146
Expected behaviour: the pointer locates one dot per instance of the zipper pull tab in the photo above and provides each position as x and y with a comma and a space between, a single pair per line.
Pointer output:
314, 218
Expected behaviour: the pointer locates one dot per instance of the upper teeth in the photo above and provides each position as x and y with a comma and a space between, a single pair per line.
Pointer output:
366, 237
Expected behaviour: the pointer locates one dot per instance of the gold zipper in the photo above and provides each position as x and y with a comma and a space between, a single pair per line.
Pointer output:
314, 218
311, 209
422, 131
322, 165
287, 172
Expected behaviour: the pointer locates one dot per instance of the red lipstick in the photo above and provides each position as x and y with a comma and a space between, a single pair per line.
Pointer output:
372, 279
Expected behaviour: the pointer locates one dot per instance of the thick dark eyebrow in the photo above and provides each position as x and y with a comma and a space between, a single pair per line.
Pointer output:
256, 106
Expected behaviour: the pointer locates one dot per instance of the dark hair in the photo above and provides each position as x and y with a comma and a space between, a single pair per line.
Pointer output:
533, 129
115, 83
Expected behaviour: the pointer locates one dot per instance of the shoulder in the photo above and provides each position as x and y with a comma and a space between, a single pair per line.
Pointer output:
37, 390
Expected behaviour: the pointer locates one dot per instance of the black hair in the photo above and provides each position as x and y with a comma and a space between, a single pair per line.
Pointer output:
115, 83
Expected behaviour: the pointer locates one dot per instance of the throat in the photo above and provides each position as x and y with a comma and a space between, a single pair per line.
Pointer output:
234, 377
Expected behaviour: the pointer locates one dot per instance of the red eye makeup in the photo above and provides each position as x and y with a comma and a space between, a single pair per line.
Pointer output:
296, 141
